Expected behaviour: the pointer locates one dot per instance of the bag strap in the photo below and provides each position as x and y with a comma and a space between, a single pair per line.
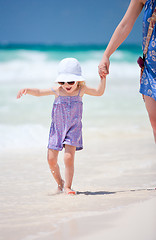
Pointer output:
150, 30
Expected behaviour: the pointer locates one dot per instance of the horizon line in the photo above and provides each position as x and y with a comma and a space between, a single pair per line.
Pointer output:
96, 46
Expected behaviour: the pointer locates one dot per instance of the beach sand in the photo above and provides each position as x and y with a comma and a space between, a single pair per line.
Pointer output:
136, 221
116, 197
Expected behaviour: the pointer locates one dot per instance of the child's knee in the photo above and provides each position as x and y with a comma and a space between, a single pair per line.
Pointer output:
52, 160
69, 160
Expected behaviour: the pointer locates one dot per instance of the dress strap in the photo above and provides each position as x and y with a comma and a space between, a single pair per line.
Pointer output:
54, 91
79, 92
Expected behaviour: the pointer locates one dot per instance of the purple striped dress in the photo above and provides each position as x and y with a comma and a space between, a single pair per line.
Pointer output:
66, 126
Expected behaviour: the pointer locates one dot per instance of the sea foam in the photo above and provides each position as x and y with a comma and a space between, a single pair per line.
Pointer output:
27, 65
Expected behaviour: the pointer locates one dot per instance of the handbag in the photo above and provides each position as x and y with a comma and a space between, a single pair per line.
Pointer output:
141, 60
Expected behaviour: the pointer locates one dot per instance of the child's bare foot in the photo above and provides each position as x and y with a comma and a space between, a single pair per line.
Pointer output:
60, 187
70, 191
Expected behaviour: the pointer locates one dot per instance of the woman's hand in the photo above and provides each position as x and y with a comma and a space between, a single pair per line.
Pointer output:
120, 34
21, 92
104, 66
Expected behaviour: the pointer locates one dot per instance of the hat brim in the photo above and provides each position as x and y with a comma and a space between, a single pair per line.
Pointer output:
69, 78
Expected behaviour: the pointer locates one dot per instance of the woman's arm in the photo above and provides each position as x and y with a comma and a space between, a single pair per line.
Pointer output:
35, 92
96, 92
121, 33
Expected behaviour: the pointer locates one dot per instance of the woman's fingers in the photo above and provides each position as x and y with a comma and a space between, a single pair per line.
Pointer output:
103, 70
104, 66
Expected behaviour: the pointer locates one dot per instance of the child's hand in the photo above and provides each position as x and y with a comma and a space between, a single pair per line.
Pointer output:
21, 92
104, 66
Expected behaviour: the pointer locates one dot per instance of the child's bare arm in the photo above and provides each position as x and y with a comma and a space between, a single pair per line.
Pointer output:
35, 92
96, 91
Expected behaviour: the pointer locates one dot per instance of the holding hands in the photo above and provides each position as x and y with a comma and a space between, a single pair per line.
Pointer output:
104, 66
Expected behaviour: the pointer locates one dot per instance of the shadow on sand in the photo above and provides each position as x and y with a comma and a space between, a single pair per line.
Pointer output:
106, 193
95, 193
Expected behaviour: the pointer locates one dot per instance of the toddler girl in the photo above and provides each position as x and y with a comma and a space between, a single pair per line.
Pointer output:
66, 126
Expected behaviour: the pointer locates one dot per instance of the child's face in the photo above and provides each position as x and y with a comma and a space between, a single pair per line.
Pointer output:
69, 88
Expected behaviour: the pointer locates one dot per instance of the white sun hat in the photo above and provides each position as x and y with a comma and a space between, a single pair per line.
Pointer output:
69, 70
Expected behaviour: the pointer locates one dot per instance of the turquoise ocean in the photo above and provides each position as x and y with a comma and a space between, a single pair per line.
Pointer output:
26, 122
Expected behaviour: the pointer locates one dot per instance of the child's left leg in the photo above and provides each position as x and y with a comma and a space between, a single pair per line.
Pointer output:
69, 155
